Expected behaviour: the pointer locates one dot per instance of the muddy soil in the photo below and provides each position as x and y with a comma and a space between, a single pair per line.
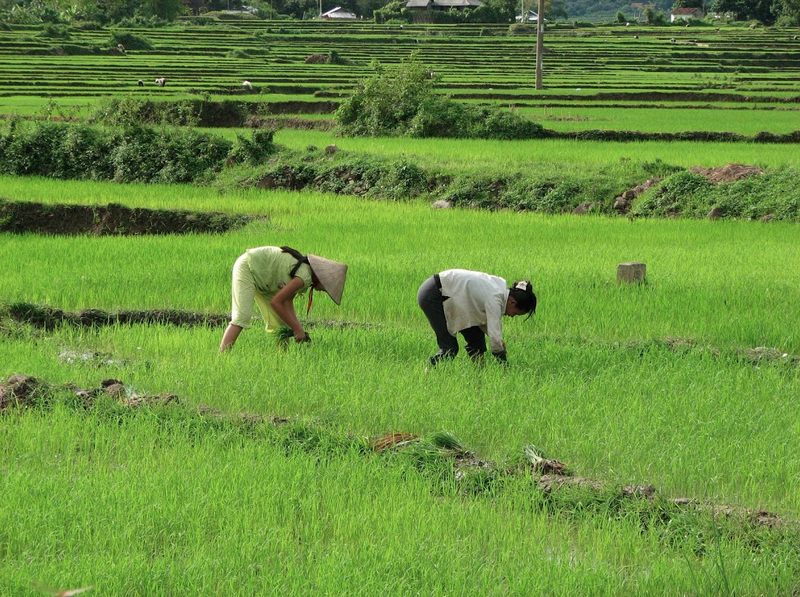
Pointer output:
19, 217
727, 173
48, 318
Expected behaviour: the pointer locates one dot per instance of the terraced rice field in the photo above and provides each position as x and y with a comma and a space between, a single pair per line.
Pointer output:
591, 69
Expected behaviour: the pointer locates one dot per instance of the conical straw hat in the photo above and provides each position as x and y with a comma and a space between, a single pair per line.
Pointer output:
331, 275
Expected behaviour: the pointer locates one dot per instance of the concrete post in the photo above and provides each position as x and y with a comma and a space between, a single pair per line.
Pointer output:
633, 272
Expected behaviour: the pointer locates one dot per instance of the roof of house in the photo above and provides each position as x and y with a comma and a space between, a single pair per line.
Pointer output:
530, 16
339, 12
443, 3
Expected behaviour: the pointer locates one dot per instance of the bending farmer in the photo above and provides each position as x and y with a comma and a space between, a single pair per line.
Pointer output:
472, 303
273, 276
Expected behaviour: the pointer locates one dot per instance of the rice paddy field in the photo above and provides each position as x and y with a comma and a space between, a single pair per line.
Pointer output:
621, 78
265, 470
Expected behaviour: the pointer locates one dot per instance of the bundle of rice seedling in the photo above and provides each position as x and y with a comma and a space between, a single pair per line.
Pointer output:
541, 464
444, 440
283, 336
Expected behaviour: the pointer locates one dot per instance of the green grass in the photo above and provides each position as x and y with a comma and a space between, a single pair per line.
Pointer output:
480, 155
143, 506
592, 379
629, 385
666, 119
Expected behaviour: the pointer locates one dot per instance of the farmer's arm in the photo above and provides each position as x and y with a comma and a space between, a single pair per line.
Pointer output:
283, 304
229, 337
494, 325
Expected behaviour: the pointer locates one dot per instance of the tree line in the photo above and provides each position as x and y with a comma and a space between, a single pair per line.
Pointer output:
161, 12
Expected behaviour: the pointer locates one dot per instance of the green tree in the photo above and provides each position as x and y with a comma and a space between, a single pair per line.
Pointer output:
787, 11
116, 10
553, 9
745, 10
164, 9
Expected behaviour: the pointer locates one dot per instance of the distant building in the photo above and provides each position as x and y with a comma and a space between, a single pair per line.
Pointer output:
338, 14
728, 15
244, 10
530, 17
684, 14
639, 8
442, 4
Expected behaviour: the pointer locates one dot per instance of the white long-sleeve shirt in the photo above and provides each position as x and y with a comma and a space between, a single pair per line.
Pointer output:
476, 299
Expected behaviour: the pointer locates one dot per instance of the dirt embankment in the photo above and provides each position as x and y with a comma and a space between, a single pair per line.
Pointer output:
49, 318
19, 217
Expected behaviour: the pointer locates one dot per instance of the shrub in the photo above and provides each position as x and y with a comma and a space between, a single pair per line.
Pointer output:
403, 101
131, 41
160, 155
135, 154
55, 31
683, 193
385, 103
81, 154
30, 150
254, 150
521, 29
504, 125
438, 116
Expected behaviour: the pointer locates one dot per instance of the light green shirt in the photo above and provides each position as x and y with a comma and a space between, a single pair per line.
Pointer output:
270, 268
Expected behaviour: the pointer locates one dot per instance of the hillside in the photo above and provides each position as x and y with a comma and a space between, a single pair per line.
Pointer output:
606, 10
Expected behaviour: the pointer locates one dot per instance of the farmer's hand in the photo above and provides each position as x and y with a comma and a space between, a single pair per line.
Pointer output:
302, 336
501, 357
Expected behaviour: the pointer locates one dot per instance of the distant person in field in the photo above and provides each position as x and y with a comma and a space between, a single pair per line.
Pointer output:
459, 301
273, 277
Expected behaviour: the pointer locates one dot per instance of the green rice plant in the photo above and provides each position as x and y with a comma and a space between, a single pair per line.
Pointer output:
283, 336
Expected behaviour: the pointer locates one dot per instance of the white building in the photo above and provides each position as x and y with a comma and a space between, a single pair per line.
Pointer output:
339, 13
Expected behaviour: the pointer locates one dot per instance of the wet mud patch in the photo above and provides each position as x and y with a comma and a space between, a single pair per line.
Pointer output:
49, 318
87, 357
19, 217
23, 391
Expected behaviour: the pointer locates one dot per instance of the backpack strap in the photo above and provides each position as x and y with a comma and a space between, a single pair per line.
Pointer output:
301, 259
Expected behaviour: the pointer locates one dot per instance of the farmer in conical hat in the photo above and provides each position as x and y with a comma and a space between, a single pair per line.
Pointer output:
472, 304
273, 276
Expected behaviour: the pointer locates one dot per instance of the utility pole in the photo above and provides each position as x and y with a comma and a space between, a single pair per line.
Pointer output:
539, 43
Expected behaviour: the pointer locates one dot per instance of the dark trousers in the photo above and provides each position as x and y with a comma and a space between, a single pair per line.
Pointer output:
431, 301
